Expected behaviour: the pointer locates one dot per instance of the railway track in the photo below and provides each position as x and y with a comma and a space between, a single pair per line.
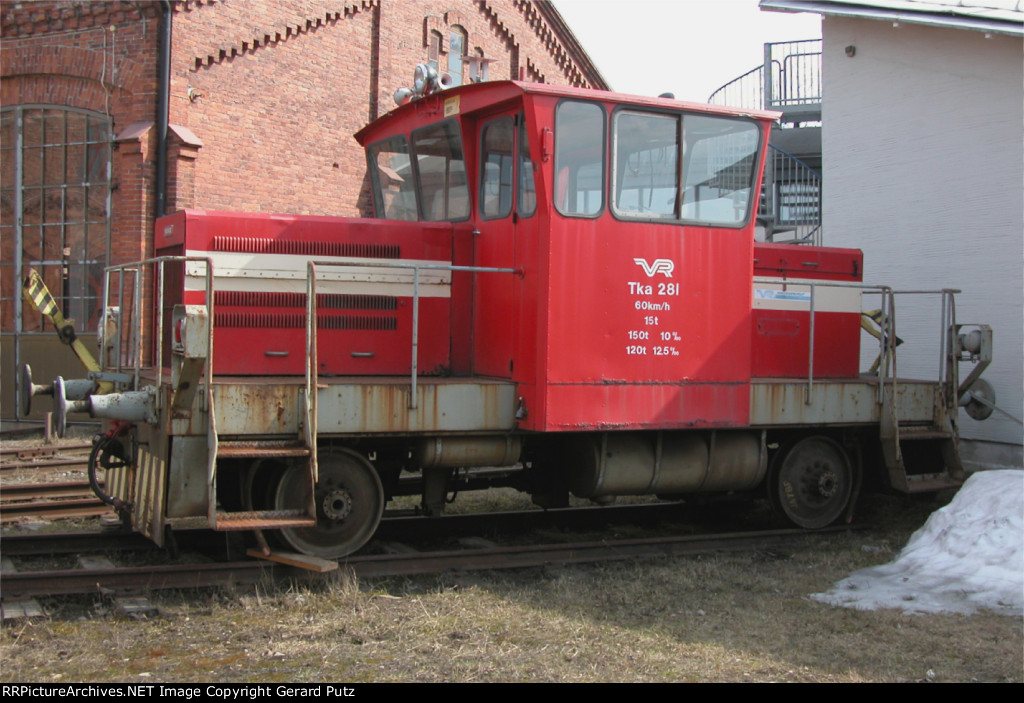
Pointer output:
68, 455
123, 580
51, 500
56, 463
28, 488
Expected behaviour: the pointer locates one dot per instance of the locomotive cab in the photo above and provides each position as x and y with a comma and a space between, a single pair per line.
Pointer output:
629, 223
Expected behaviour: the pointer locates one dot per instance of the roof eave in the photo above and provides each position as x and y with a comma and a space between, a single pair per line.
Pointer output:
583, 60
932, 19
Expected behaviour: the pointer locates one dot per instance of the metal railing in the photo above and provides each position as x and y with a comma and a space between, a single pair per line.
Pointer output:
311, 363
744, 91
886, 372
789, 76
791, 199
134, 276
795, 73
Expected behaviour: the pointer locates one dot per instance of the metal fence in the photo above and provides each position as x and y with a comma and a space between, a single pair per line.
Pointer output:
791, 200
790, 76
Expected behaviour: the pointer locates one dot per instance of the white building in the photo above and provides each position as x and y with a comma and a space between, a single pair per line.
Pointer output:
923, 166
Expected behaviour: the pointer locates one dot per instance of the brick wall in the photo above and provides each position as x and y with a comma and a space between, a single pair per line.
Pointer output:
276, 93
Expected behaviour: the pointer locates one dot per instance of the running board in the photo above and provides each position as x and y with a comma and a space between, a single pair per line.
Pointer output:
263, 520
943, 455
930, 483
287, 451
260, 449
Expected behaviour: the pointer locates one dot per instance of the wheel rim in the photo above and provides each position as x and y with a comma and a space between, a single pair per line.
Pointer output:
812, 482
349, 502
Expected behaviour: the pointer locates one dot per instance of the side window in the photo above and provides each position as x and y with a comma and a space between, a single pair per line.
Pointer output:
443, 190
496, 161
579, 158
526, 205
394, 195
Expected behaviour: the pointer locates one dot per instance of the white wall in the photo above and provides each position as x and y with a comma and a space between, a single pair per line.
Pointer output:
924, 170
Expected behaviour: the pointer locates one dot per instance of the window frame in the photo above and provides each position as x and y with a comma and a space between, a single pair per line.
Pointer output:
434, 42
682, 164
76, 260
524, 159
458, 76
603, 189
485, 125
377, 190
419, 177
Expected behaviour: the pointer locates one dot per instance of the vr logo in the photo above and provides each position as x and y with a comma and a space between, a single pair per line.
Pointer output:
664, 266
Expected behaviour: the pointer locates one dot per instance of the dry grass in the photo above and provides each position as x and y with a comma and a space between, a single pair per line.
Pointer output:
740, 617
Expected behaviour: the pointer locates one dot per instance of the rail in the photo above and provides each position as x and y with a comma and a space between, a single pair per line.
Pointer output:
789, 77
746, 91
888, 341
311, 362
135, 271
791, 201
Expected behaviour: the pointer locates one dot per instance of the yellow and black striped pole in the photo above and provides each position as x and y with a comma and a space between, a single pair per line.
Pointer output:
36, 293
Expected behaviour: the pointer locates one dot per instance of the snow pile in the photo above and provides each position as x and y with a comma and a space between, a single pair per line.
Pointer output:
968, 556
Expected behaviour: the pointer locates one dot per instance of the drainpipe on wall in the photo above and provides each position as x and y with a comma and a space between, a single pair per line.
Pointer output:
162, 106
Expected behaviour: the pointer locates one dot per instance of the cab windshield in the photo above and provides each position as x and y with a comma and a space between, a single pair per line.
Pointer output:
663, 166
426, 181
692, 168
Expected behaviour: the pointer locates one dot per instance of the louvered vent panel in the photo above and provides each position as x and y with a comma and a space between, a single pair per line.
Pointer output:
330, 301
263, 245
343, 301
357, 322
289, 320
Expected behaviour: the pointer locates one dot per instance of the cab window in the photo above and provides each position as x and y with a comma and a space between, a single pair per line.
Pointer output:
579, 158
441, 168
526, 203
496, 163
394, 192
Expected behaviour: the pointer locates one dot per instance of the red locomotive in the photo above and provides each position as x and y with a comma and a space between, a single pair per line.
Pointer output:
561, 282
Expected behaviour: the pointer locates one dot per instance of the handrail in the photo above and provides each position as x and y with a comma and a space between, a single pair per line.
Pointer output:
134, 268
788, 76
786, 171
887, 338
799, 79
722, 96
416, 268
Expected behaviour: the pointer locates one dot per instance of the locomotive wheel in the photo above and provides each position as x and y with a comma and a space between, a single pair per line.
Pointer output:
811, 482
349, 503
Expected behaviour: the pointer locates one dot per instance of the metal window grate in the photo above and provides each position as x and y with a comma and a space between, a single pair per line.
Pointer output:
54, 210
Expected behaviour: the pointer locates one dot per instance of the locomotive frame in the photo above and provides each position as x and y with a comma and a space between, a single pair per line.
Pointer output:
560, 283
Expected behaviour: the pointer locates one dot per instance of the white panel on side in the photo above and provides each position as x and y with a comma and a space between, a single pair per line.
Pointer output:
286, 273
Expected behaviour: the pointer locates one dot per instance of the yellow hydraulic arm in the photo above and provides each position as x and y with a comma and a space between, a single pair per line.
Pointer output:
36, 292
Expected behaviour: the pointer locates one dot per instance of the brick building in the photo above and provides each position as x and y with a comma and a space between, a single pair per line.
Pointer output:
262, 99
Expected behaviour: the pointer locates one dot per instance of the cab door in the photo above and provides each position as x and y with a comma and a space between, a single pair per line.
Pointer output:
503, 199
